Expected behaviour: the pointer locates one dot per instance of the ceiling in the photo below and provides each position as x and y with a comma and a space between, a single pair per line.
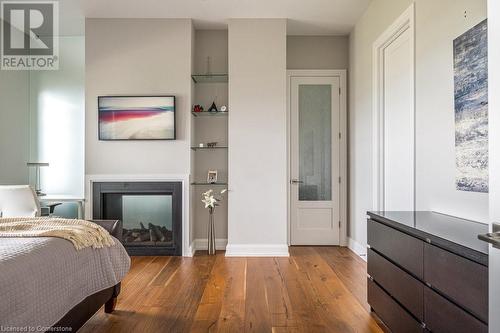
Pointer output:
306, 17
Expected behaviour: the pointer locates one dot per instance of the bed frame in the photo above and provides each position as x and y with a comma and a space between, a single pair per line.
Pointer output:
83, 311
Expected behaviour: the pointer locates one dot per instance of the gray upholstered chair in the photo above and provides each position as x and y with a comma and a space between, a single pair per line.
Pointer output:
18, 201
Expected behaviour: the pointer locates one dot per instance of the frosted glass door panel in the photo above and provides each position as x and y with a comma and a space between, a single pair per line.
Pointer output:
314, 160
315, 142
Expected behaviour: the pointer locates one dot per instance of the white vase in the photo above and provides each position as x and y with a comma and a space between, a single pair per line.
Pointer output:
211, 234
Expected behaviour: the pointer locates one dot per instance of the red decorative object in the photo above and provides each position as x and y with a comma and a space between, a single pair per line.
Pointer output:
198, 108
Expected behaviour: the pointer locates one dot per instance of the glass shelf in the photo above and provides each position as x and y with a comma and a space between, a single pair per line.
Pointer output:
209, 114
210, 78
209, 148
208, 184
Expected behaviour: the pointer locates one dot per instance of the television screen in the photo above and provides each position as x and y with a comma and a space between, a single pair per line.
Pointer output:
136, 117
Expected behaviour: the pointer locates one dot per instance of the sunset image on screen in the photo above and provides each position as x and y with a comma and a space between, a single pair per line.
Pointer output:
137, 118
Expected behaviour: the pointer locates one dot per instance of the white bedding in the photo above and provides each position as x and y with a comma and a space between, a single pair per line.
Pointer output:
41, 279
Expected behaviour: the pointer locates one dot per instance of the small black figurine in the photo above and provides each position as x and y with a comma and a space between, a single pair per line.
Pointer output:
213, 108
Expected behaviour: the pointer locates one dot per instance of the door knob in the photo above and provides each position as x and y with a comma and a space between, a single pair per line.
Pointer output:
296, 181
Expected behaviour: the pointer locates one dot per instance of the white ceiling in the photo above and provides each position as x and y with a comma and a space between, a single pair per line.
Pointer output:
306, 17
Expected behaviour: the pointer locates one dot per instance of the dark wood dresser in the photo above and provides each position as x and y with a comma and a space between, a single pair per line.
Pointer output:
427, 272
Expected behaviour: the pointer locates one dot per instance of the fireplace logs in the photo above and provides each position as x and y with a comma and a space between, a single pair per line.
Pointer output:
152, 234
156, 231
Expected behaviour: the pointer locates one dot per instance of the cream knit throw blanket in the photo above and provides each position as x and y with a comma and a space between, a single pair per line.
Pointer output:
81, 233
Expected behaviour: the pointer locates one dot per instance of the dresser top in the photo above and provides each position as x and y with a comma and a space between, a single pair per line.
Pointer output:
451, 233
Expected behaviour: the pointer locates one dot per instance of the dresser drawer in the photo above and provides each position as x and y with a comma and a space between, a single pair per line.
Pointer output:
442, 316
402, 286
405, 250
391, 313
462, 280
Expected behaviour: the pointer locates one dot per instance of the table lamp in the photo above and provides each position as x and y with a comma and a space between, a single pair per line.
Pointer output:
37, 166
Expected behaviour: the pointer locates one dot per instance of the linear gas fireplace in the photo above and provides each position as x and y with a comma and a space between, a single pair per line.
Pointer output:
151, 213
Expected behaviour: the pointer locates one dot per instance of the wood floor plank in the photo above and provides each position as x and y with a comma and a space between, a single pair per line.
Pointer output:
178, 300
316, 289
209, 309
350, 269
301, 298
279, 305
334, 303
257, 312
232, 316
143, 269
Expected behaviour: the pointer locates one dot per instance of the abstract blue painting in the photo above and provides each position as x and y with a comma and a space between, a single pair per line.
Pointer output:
470, 52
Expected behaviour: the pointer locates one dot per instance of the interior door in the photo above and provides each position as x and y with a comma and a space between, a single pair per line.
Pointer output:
398, 125
315, 160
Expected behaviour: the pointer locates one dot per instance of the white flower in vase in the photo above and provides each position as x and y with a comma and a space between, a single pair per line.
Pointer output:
211, 201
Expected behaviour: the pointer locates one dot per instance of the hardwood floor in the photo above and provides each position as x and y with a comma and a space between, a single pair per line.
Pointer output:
316, 289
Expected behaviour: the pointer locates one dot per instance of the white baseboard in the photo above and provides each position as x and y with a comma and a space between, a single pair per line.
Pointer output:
189, 251
257, 250
357, 248
202, 244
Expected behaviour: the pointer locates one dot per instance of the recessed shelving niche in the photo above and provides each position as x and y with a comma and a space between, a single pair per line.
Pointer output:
210, 57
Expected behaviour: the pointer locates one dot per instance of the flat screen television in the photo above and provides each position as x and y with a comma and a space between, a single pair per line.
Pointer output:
136, 117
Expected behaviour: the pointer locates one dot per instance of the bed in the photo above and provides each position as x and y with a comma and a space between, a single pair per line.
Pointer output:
45, 283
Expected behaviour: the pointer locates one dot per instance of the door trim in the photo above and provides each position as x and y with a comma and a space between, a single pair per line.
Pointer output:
342, 75
402, 24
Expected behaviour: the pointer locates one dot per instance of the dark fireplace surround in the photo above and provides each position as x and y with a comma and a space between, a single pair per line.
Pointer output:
144, 238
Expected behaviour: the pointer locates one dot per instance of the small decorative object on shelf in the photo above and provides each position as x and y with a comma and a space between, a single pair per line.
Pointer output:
201, 145
212, 176
198, 108
223, 108
211, 144
213, 108
211, 202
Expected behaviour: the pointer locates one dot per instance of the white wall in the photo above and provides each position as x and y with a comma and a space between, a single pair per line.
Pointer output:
494, 106
317, 52
257, 136
379, 15
138, 57
211, 43
57, 100
14, 127
437, 24
494, 127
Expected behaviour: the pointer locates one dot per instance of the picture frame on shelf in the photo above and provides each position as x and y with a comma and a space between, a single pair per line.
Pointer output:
212, 177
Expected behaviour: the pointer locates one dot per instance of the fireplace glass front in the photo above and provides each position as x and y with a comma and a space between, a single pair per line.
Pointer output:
150, 213
147, 220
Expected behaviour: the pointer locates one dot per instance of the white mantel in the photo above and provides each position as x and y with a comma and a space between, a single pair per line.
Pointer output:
184, 178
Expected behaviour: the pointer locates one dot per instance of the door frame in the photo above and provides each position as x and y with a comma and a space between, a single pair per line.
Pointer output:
342, 75
402, 24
